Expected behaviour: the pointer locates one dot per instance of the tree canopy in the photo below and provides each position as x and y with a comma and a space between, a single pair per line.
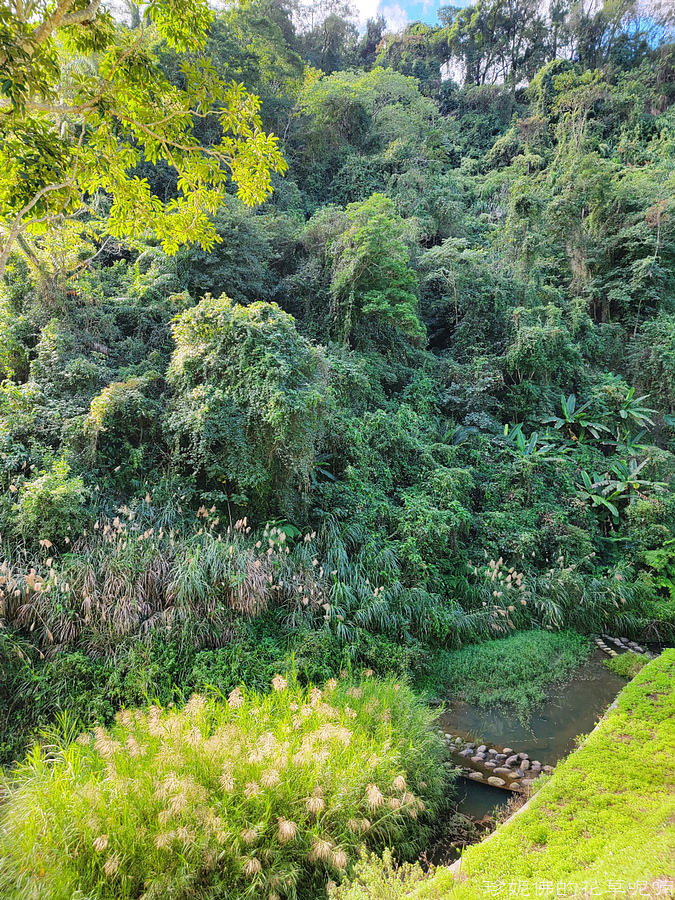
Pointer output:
85, 102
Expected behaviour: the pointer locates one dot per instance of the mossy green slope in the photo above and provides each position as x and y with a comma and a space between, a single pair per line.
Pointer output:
606, 815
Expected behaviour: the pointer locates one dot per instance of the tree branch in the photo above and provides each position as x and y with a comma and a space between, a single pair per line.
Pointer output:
60, 18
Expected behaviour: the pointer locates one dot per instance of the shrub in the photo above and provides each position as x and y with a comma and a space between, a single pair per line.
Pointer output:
257, 796
379, 879
51, 505
627, 664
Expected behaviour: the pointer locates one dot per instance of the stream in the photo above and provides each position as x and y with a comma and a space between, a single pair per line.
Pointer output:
570, 710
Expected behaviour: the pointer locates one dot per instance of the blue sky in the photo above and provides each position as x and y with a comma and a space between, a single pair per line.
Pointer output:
399, 12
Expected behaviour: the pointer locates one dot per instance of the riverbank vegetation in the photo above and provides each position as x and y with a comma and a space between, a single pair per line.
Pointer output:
605, 818
326, 350
513, 672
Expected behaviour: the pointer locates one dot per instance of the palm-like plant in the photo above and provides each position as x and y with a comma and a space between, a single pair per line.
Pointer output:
608, 492
632, 411
574, 421
528, 448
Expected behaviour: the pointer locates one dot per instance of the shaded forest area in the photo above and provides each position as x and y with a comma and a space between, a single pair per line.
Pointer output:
421, 396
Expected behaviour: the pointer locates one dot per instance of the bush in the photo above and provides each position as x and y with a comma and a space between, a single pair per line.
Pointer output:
257, 796
52, 505
627, 664
379, 879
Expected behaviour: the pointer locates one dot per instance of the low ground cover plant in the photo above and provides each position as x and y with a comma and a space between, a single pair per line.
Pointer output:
266, 796
514, 671
627, 664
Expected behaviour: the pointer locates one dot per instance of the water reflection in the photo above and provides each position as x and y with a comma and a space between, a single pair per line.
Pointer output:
569, 710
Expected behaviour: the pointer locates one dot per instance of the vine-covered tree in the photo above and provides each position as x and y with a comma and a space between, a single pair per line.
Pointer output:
249, 391
372, 277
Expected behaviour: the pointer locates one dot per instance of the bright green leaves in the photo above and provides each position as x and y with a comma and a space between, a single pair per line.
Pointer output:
184, 24
249, 392
372, 278
76, 128
609, 494
575, 420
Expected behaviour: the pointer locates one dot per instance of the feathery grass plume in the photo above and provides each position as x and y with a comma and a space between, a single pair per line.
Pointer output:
339, 859
235, 698
147, 802
375, 797
321, 849
279, 683
287, 830
253, 867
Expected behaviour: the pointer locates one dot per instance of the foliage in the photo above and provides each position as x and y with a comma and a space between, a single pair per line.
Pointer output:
269, 793
50, 505
626, 664
378, 878
371, 277
248, 394
438, 407
68, 139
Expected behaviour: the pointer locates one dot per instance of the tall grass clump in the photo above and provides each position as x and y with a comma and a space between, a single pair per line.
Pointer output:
254, 796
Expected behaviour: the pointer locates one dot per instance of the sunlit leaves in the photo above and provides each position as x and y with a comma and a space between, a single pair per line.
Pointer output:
86, 132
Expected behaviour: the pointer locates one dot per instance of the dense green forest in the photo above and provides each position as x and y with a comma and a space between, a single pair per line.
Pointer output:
402, 380
325, 353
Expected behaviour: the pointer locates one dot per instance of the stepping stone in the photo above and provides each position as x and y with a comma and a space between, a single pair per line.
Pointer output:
525, 764
478, 758
500, 757
466, 752
548, 769
502, 770
492, 752
507, 750
511, 761
482, 749
496, 782
519, 773
490, 764
477, 776
523, 756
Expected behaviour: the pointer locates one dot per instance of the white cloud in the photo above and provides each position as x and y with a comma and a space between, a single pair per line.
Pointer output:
396, 16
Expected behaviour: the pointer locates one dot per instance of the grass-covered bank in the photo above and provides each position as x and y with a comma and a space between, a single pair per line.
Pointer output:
605, 818
514, 671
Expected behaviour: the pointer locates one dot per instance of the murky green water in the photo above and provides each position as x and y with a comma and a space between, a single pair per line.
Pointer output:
477, 800
570, 710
